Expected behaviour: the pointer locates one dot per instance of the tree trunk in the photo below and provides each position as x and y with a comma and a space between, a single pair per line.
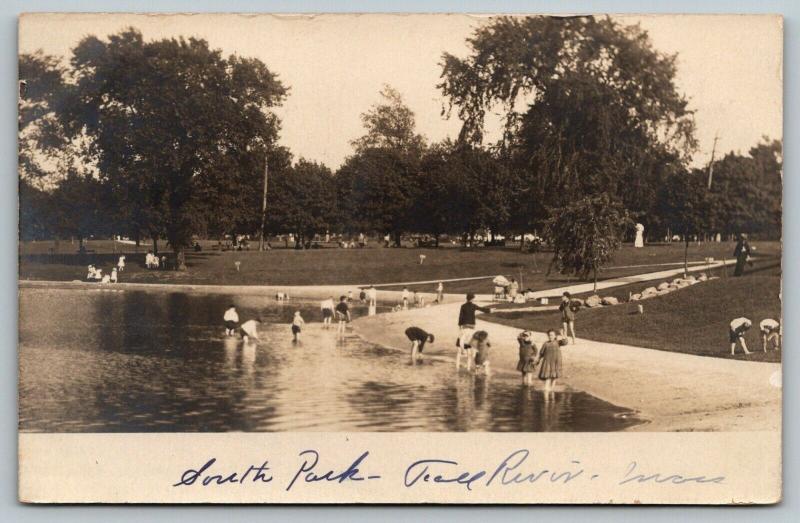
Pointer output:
436, 240
594, 289
180, 260
397, 239
686, 256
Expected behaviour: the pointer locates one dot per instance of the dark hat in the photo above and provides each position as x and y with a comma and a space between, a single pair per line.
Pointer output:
470, 296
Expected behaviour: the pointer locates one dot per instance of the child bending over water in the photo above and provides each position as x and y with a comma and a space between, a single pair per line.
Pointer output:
249, 330
418, 338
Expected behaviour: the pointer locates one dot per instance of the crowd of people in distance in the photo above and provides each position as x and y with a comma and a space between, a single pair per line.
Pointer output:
152, 261
95, 274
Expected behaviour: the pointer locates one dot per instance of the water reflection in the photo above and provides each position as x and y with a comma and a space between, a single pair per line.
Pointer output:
110, 361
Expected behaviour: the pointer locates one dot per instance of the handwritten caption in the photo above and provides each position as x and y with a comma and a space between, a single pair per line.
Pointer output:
517, 468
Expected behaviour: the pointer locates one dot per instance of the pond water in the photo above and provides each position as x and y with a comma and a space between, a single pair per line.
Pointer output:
123, 361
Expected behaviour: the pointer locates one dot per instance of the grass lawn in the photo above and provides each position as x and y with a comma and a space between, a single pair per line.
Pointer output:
693, 320
352, 266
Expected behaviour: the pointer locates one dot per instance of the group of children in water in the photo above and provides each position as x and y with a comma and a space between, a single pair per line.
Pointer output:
474, 347
249, 329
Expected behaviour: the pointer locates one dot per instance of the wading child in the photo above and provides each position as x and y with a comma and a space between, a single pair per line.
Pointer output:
770, 331
249, 330
297, 323
466, 328
327, 312
550, 357
418, 338
736, 333
231, 319
114, 275
405, 297
567, 316
342, 314
528, 354
480, 344
121, 264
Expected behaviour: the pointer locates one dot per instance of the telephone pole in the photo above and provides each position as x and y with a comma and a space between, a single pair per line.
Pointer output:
264, 205
711, 163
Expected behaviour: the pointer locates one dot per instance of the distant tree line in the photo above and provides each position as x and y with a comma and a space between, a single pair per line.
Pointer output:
169, 139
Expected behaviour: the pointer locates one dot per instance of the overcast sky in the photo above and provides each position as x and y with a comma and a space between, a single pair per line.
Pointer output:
730, 67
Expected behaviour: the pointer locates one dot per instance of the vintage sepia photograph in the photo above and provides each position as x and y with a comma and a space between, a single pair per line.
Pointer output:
400, 223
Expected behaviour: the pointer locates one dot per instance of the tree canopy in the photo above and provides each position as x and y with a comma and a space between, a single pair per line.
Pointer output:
169, 121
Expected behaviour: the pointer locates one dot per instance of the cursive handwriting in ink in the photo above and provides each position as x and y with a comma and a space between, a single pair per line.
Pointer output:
675, 479
190, 476
419, 471
507, 472
309, 475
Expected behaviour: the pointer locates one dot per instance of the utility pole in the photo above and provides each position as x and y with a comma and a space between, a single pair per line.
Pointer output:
264, 205
711, 163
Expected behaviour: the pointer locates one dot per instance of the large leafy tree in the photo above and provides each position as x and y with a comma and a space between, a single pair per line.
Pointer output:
746, 191
45, 151
686, 205
585, 233
168, 122
302, 201
587, 105
379, 183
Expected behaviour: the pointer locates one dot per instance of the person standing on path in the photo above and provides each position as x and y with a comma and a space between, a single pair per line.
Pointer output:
742, 254
439, 292
567, 316
513, 289
550, 357
405, 296
372, 296
466, 327
418, 338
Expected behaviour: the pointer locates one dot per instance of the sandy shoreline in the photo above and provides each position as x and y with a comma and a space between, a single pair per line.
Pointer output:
672, 391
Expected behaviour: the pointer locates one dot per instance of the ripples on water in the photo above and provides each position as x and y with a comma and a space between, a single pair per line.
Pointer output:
113, 361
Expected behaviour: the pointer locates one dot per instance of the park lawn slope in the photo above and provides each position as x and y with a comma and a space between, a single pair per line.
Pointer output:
373, 265
693, 320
